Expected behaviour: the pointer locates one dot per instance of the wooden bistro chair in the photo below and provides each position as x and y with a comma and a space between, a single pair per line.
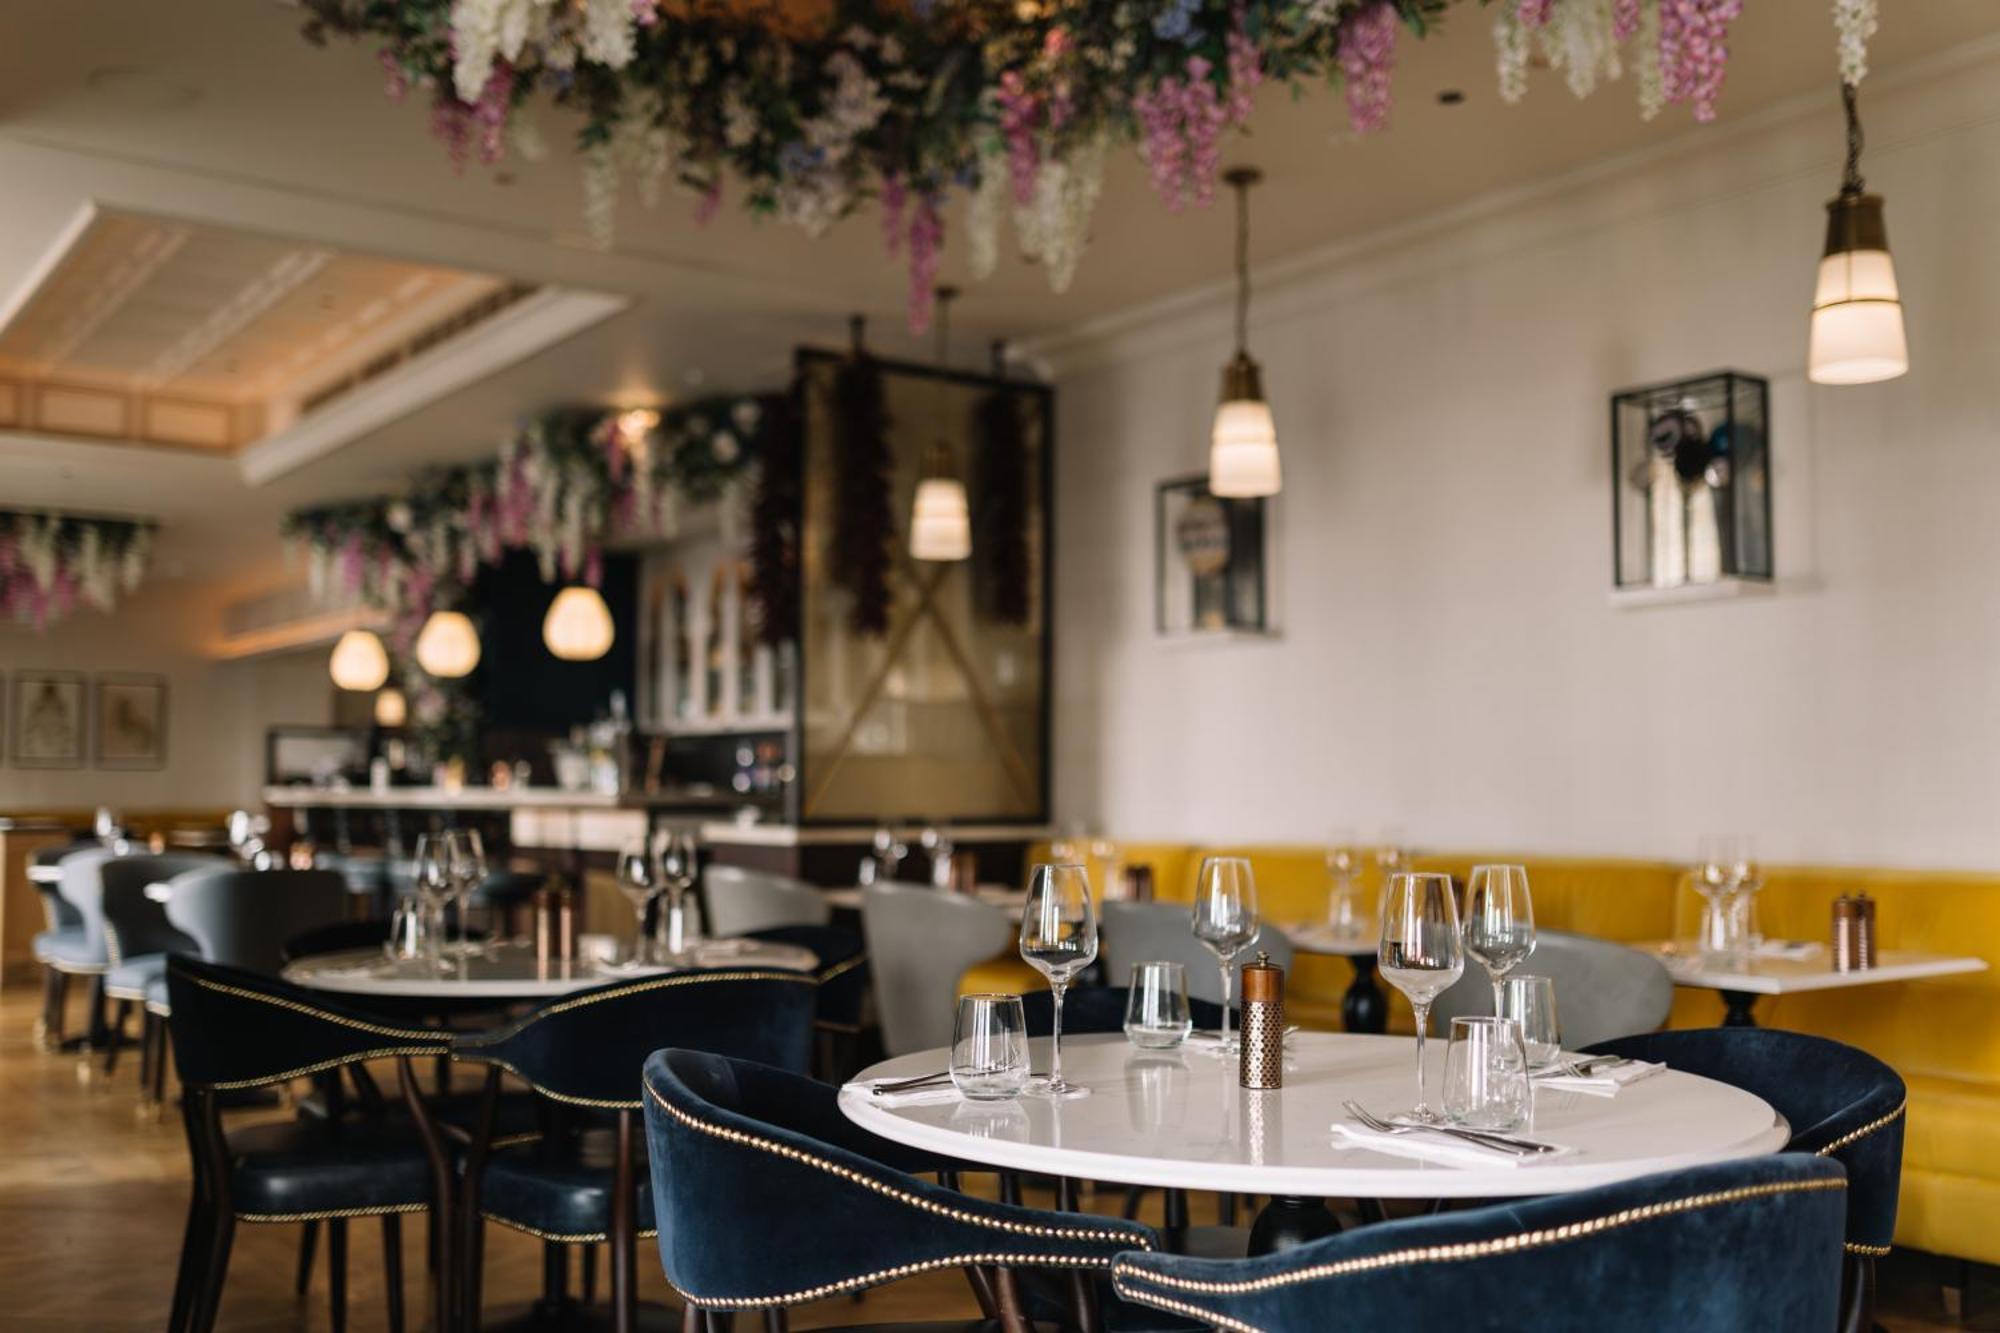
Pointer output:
234, 1029
582, 1055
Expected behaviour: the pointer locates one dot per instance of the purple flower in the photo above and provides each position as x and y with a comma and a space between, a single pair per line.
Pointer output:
1367, 57
1175, 23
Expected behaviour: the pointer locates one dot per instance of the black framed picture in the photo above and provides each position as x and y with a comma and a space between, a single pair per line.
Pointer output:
1209, 561
131, 721
48, 713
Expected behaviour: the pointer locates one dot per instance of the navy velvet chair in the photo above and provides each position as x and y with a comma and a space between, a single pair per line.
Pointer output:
234, 1030
769, 1197
582, 1055
840, 1012
1842, 1103
1742, 1247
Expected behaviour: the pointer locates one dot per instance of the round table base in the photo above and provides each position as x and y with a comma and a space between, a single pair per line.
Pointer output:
1364, 1008
1288, 1221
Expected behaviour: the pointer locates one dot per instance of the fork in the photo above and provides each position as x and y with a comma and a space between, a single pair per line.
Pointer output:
1497, 1142
907, 1084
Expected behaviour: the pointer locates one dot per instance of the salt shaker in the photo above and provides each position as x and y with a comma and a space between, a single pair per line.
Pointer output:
1864, 931
1846, 934
1261, 1063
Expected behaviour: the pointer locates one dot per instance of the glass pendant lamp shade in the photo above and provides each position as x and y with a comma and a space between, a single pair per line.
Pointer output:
578, 626
359, 661
1857, 316
391, 709
940, 521
448, 645
1243, 447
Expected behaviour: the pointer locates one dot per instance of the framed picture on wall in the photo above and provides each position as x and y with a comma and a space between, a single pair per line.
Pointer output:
1208, 562
131, 721
47, 716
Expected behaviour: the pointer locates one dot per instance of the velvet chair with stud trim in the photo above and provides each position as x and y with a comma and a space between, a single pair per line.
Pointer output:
770, 1198
234, 1029
840, 1010
1740, 1247
1842, 1103
582, 1055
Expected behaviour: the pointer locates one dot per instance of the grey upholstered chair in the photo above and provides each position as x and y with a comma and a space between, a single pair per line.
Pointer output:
919, 942
243, 918
1603, 990
739, 901
1161, 932
63, 949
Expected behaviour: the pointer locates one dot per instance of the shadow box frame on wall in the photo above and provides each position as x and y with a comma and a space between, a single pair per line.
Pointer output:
1211, 565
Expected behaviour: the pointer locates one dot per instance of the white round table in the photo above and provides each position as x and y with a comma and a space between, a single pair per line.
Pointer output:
1179, 1119
509, 971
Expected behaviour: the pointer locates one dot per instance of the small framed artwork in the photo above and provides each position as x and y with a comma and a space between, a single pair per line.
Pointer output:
48, 719
1209, 562
131, 722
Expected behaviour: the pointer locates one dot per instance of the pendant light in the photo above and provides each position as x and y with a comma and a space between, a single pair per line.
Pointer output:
1243, 447
448, 645
359, 661
1857, 316
578, 626
392, 709
940, 519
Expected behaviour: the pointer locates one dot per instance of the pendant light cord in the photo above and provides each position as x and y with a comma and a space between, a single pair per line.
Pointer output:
1242, 266
1850, 181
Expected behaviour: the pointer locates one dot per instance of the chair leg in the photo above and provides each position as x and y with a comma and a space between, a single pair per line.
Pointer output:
624, 1229
474, 1259
55, 1000
392, 1268
308, 1238
162, 1049
774, 1320
555, 1274
1857, 1293
115, 1038
193, 1240
215, 1270
336, 1272
98, 1031
590, 1275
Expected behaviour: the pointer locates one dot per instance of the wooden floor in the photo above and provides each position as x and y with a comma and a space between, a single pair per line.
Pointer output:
92, 1198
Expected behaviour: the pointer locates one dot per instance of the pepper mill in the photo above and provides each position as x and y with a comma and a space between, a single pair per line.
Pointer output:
1846, 934
1864, 931
555, 927
1261, 1063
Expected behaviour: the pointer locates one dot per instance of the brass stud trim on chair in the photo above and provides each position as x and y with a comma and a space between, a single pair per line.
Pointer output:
900, 1271
380, 1053
342, 1020
378, 1210
1855, 1136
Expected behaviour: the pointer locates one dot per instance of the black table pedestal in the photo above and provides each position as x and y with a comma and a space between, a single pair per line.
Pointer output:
1364, 1008
1739, 1005
1287, 1222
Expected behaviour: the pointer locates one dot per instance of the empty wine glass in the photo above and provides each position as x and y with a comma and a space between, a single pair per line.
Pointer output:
434, 887
1225, 917
1346, 910
1499, 921
1421, 953
640, 884
1059, 940
468, 872
677, 853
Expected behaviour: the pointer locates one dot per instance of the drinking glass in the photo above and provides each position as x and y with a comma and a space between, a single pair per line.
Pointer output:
1486, 1074
989, 1047
1721, 863
676, 857
1346, 909
1156, 1007
640, 884
1531, 1002
468, 872
1499, 921
1421, 953
1225, 917
434, 888
1059, 940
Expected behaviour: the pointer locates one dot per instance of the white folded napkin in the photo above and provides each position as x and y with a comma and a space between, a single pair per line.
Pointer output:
1210, 1043
1603, 1081
1442, 1148
724, 948
1793, 949
931, 1094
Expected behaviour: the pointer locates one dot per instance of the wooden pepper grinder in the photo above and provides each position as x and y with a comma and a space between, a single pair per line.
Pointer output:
1261, 1064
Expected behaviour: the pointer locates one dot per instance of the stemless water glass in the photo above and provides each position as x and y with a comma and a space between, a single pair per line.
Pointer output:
1486, 1074
640, 884
1499, 921
989, 1047
1225, 917
1421, 953
1531, 1002
1156, 1007
1059, 940
676, 859
434, 889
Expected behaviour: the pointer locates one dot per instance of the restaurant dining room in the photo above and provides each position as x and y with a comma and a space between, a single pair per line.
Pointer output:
1017, 666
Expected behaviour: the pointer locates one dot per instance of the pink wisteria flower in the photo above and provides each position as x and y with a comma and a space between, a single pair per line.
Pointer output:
1368, 58
1534, 13
1694, 51
1624, 19
926, 239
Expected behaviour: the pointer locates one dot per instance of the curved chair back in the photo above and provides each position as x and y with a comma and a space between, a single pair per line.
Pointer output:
1842, 1103
749, 1164
242, 918
842, 974
109, 891
1736, 1248
57, 910
1160, 932
1098, 1009
920, 941
737, 901
1603, 990
587, 1049
337, 937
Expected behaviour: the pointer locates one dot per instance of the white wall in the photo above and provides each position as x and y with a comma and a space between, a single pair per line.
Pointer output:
217, 711
1449, 659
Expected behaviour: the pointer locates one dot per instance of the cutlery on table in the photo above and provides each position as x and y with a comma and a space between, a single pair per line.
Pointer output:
1484, 1138
909, 1084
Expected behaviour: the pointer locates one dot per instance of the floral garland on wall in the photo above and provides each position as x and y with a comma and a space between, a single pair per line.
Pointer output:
1015, 104
52, 563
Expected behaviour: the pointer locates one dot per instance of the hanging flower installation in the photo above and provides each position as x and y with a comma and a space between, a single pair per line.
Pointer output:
52, 563
1014, 102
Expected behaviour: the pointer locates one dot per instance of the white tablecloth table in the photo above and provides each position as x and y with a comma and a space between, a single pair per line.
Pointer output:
1740, 984
509, 971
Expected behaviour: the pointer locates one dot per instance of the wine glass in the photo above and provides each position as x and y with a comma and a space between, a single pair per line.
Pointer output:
1421, 953
640, 885
1345, 916
434, 886
1499, 922
468, 872
1059, 940
1225, 917
676, 852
